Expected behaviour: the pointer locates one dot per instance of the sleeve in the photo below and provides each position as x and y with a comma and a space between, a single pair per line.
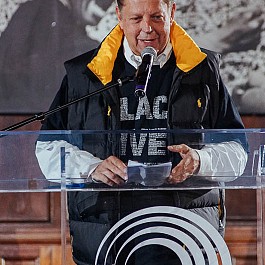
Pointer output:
79, 164
226, 160
224, 154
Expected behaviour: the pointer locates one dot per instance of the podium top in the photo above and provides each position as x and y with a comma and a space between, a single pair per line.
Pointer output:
22, 171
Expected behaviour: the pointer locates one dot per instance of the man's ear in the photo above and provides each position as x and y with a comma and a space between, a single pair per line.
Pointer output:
173, 11
118, 13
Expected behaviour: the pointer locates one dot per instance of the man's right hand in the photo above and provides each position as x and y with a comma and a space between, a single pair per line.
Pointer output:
112, 171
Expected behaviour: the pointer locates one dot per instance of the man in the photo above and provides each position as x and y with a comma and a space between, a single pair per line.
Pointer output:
185, 82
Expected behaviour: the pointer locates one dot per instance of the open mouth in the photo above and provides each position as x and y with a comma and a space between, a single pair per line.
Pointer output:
147, 41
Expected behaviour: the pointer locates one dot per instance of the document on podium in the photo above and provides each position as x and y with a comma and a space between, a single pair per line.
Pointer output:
148, 175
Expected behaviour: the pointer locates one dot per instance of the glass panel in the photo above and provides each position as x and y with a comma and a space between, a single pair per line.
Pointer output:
22, 170
54, 161
144, 172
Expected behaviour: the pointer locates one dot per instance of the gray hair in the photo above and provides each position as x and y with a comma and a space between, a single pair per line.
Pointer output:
120, 3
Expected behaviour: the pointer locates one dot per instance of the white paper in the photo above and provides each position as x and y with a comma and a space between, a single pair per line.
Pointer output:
148, 175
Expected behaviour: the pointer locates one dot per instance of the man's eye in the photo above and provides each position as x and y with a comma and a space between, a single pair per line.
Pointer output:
135, 19
157, 17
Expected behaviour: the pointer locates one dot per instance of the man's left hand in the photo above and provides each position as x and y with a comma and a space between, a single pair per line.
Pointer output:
188, 166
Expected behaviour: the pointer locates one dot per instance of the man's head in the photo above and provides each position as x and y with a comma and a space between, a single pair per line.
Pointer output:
146, 22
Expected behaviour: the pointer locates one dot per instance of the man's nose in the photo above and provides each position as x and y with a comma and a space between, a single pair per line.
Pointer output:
147, 26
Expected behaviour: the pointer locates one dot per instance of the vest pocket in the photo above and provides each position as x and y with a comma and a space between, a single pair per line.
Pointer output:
190, 106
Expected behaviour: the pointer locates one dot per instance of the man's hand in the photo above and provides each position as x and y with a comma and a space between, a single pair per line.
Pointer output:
112, 171
189, 164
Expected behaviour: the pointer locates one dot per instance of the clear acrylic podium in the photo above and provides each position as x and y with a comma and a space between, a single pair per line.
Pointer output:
21, 172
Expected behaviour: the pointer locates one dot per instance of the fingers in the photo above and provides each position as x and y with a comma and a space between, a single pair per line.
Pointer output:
182, 149
189, 164
112, 171
180, 173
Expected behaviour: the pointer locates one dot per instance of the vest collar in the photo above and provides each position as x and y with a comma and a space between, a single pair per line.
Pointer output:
187, 53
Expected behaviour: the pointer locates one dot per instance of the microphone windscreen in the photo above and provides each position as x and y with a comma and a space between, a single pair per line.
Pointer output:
149, 50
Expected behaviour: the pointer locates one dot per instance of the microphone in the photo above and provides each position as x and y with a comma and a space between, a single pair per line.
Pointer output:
143, 72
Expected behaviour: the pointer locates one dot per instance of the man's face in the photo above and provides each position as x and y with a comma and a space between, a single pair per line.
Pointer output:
146, 23
89, 12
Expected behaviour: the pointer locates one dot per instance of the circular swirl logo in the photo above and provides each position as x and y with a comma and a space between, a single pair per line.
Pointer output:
190, 237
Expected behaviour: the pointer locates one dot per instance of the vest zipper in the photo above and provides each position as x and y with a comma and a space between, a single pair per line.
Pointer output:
172, 95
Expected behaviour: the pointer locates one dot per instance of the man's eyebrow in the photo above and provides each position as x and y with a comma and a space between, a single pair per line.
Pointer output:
156, 13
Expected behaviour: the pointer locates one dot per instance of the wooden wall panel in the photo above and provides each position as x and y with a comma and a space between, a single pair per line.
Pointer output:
241, 241
32, 208
19, 254
8, 120
51, 255
241, 206
25, 207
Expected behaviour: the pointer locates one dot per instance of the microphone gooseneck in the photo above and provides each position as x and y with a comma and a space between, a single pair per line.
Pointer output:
143, 72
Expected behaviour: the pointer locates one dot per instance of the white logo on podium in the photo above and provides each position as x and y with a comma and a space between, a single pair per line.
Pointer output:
194, 240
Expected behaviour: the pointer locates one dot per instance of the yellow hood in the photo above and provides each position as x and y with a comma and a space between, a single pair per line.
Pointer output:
186, 51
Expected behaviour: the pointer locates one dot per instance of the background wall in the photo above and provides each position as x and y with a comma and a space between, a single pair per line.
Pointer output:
37, 36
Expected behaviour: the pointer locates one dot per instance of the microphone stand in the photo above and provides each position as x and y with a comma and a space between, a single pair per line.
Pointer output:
43, 115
